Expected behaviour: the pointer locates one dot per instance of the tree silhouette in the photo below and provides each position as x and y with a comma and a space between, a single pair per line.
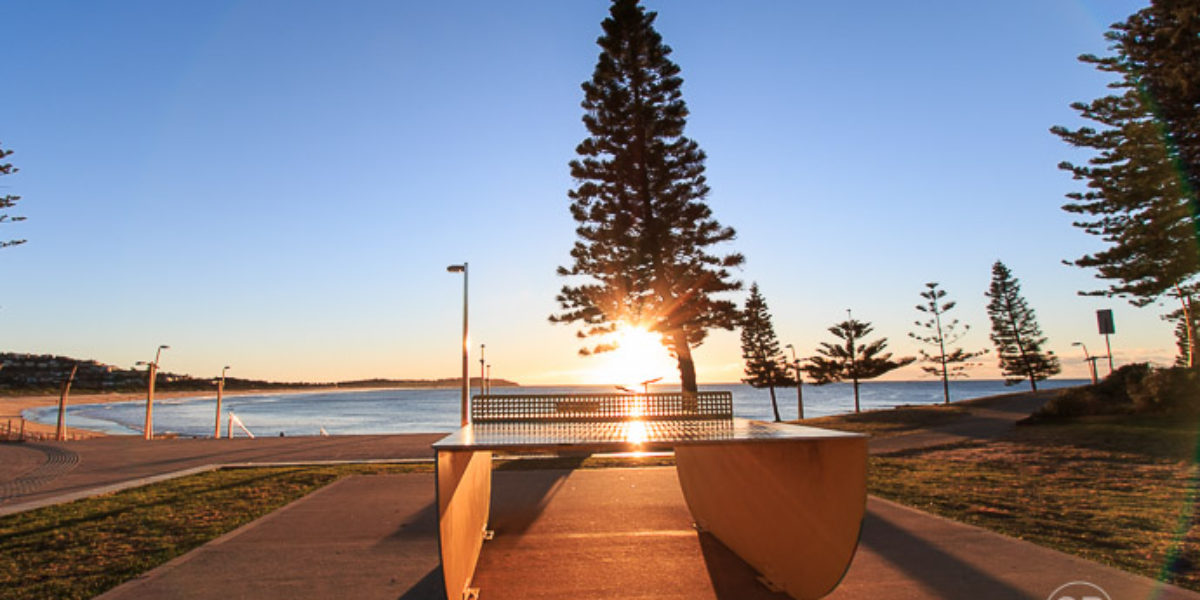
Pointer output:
765, 364
850, 359
1143, 180
1016, 333
8, 200
645, 234
939, 334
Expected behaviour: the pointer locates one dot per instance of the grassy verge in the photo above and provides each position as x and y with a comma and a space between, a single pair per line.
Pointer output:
1120, 492
80, 549
887, 423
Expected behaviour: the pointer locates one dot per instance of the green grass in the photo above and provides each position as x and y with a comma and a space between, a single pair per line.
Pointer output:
1120, 493
80, 549
887, 423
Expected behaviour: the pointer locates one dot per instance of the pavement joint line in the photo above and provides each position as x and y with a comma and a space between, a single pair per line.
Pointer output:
143, 481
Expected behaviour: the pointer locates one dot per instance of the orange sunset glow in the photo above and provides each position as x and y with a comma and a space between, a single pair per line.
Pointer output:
639, 356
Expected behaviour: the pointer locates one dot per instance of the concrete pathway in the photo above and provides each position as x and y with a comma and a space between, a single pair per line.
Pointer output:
592, 534
986, 418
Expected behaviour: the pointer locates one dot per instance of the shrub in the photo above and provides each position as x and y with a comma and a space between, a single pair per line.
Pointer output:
1174, 390
1108, 397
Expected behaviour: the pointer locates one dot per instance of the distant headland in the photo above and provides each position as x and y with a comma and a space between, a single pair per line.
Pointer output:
45, 373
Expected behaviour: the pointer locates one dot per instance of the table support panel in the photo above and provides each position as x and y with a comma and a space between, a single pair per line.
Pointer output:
792, 510
464, 492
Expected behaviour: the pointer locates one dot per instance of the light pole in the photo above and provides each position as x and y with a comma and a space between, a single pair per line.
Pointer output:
466, 349
220, 389
488, 379
148, 432
1087, 358
799, 381
482, 371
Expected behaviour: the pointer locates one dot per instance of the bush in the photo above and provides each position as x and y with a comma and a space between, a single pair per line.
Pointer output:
1167, 391
1108, 397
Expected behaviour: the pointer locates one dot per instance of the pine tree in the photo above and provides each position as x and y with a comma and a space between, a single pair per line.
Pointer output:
1141, 196
1162, 46
765, 364
939, 334
1016, 333
1183, 329
8, 200
850, 359
645, 234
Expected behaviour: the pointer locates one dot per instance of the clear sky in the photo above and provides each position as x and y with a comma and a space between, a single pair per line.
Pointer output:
279, 186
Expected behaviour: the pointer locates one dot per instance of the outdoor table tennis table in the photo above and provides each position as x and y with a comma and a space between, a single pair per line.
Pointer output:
788, 499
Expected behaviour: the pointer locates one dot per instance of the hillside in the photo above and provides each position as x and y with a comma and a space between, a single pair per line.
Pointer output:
45, 373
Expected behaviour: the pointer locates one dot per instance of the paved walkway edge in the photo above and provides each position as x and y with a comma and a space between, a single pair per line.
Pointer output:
174, 563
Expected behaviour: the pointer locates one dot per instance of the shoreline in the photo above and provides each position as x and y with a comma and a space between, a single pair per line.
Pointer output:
11, 407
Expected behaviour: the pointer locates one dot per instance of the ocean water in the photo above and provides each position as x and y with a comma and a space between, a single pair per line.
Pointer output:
436, 410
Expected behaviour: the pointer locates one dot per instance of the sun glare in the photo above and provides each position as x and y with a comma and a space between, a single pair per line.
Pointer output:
640, 356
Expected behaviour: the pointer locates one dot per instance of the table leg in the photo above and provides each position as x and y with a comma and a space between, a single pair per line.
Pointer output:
464, 492
793, 510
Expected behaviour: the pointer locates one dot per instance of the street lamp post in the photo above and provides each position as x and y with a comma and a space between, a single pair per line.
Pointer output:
466, 349
148, 431
488, 379
482, 371
220, 389
799, 381
1087, 358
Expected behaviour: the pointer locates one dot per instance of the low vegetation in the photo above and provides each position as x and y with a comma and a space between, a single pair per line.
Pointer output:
1136, 389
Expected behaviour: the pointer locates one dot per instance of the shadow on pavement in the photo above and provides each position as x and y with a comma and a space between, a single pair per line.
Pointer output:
935, 569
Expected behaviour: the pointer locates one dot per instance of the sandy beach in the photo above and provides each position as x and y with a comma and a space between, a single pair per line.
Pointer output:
12, 406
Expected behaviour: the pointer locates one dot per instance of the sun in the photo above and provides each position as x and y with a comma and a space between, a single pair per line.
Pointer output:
639, 356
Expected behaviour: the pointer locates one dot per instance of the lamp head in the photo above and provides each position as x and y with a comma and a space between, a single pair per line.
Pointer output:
164, 347
456, 268
1076, 343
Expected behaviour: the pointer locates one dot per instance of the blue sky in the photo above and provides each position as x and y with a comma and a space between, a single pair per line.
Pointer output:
279, 186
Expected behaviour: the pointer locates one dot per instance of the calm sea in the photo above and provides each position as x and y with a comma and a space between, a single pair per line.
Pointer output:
436, 410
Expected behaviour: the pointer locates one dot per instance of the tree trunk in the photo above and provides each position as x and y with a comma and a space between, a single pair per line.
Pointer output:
1186, 303
687, 370
857, 408
774, 405
799, 394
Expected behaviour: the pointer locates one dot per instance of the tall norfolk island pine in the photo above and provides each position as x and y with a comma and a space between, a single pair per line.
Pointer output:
939, 334
852, 360
1142, 183
765, 363
644, 232
1015, 332
8, 200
